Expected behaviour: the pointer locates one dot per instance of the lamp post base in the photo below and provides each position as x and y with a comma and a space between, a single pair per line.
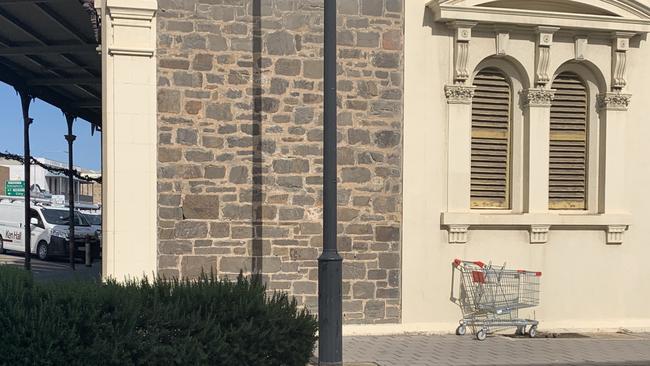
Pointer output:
330, 309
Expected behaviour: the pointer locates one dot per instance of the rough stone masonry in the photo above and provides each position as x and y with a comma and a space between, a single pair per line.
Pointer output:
240, 145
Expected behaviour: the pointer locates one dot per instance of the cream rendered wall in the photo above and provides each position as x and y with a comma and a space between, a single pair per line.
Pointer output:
129, 143
586, 283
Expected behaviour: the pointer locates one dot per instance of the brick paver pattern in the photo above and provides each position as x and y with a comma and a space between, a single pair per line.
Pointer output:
420, 350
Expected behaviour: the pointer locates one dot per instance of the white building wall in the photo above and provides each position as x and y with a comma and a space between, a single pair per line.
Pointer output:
17, 172
586, 283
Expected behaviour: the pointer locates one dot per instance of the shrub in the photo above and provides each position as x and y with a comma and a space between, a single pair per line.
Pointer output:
203, 322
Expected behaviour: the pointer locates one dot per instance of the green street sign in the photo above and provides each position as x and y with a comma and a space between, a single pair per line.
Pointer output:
15, 188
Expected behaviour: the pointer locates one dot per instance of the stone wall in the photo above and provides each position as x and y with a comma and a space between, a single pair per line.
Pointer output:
240, 145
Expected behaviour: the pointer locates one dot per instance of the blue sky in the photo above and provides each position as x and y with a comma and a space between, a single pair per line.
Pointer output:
46, 133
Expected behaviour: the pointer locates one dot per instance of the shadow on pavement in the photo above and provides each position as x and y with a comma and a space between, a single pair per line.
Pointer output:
587, 363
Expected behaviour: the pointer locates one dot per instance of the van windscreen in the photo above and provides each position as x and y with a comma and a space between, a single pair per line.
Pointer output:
56, 217
60, 217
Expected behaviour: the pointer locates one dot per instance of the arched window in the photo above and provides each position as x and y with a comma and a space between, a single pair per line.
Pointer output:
491, 140
568, 144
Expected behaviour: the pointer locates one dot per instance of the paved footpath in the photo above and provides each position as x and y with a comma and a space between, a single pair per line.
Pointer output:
602, 349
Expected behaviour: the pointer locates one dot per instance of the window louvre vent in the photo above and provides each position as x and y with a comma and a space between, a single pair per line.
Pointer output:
568, 144
490, 173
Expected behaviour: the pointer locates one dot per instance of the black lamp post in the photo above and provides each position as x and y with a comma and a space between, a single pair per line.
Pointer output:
330, 263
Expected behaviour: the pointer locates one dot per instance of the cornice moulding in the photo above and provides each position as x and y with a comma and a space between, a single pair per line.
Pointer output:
131, 51
450, 13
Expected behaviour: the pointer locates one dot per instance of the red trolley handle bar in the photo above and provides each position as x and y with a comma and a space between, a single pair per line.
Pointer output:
457, 262
534, 273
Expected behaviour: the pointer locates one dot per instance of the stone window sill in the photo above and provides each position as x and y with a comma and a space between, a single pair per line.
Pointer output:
538, 225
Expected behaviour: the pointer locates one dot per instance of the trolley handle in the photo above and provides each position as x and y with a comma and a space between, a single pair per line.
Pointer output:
457, 262
533, 273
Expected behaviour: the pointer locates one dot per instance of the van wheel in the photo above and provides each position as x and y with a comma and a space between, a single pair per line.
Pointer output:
42, 251
2, 246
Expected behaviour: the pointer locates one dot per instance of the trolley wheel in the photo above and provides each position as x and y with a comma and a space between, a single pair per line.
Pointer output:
481, 335
521, 330
461, 330
532, 332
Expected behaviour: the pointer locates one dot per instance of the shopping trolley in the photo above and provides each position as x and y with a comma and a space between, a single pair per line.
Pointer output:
490, 297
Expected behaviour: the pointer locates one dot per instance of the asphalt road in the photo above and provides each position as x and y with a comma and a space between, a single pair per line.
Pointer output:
55, 269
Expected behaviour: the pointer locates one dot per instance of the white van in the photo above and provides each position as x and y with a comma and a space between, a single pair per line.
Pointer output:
49, 229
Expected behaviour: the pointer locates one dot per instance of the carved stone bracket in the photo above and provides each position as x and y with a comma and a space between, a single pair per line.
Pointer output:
615, 234
539, 233
543, 54
614, 101
462, 36
537, 97
459, 94
620, 46
458, 233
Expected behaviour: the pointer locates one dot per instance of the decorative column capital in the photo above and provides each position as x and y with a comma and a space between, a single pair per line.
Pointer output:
132, 27
537, 97
459, 94
614, 101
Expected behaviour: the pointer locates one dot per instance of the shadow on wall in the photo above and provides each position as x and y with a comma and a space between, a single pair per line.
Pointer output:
257, 173
437, 29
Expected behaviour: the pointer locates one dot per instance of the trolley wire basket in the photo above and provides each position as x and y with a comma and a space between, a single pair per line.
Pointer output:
491, 296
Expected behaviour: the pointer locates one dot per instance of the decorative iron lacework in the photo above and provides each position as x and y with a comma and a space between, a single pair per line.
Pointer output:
95, 20
50, 168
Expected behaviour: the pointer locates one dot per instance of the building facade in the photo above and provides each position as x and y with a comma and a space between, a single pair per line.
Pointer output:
4, 176
507, 130
51, 183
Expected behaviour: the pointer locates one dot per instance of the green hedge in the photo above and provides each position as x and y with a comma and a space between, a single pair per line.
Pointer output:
205, 322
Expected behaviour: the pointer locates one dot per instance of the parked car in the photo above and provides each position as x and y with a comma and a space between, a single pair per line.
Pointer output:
95, 222
49, 229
